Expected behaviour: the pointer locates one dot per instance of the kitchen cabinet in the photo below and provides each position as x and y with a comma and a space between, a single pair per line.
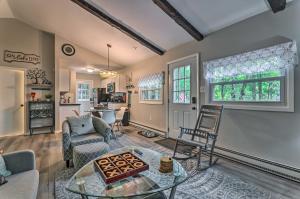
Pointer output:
41, 115
64, 80
120, 83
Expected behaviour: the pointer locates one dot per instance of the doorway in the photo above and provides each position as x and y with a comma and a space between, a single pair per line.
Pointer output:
12, 100
84, 94
184, 97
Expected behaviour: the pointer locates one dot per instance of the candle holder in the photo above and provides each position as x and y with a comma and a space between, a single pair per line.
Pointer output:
166, 165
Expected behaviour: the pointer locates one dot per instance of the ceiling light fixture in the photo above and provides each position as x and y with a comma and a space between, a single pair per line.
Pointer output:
90, 70
108, 72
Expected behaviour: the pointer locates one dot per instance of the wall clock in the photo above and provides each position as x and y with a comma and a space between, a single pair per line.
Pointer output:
68, 49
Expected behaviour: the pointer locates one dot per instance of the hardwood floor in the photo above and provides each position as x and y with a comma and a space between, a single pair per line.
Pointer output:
48, 152
47, 148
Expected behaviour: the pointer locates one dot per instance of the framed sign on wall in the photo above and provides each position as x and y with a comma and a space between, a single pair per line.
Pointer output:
13, 56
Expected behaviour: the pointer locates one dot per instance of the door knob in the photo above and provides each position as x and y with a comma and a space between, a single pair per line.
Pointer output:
194, 108
22, 105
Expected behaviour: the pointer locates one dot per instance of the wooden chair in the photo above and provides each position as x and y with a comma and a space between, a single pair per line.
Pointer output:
203, 137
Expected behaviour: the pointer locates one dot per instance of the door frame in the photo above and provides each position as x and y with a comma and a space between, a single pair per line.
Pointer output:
24, 97
197, 56
78, 81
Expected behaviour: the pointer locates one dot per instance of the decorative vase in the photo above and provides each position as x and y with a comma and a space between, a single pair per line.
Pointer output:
32, 94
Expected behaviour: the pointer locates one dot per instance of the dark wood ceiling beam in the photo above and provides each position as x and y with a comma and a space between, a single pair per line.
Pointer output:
277, 5
178, 18
129, 32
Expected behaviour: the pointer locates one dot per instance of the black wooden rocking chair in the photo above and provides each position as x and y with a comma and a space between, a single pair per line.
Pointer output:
203, 137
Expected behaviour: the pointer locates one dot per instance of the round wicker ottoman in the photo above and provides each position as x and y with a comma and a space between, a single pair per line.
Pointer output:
82, 154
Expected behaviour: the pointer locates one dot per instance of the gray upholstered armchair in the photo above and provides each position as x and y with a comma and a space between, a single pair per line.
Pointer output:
101, 132
24, 179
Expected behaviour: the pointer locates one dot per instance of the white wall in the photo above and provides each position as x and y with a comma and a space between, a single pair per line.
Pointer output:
273, 136
93, 77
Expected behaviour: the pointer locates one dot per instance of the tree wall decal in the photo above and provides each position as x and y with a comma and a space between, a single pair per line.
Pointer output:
36, 74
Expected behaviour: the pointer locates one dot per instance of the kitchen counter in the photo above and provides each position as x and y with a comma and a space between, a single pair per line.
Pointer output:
69, 104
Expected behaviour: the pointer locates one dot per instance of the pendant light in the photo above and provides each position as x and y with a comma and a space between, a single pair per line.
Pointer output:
108, 72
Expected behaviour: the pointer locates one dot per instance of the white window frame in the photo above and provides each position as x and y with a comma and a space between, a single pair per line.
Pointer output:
90, 83
151, 101
286, 106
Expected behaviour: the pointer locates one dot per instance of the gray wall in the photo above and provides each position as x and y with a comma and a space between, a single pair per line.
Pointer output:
18, 36
270, 135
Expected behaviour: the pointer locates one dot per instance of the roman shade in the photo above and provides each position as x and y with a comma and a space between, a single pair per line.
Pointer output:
274, 58
151, 81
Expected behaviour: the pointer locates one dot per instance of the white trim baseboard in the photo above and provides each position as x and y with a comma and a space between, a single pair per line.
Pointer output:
146, 126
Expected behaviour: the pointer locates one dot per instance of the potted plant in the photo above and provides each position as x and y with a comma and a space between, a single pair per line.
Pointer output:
48, 97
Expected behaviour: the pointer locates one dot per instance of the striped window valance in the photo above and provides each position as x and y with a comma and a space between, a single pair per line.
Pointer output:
278, 57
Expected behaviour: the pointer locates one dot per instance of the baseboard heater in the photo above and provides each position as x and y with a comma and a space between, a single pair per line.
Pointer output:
163, 133
259, 167
243, 162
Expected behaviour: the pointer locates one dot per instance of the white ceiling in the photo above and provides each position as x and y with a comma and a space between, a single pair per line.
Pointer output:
5, 11
212, 15
70, 21
147, 19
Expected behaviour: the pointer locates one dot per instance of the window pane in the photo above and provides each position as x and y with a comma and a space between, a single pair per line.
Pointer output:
175, 73
237, 92
144, 95
176, 85
187, 71
147, 94
181, 96
250, 92
187, 85
181, 85
270, 91
157, 94
227, 90
181, 72
217, 93
150, 94
187, 97
175, 97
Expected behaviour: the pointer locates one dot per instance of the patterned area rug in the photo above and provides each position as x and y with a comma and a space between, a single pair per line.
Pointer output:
214, 183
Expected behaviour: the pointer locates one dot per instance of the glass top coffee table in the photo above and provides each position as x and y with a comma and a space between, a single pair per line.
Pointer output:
88, 182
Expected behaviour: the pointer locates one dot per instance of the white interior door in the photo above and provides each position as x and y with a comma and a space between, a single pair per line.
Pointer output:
183, 94
11, 102
84, 94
